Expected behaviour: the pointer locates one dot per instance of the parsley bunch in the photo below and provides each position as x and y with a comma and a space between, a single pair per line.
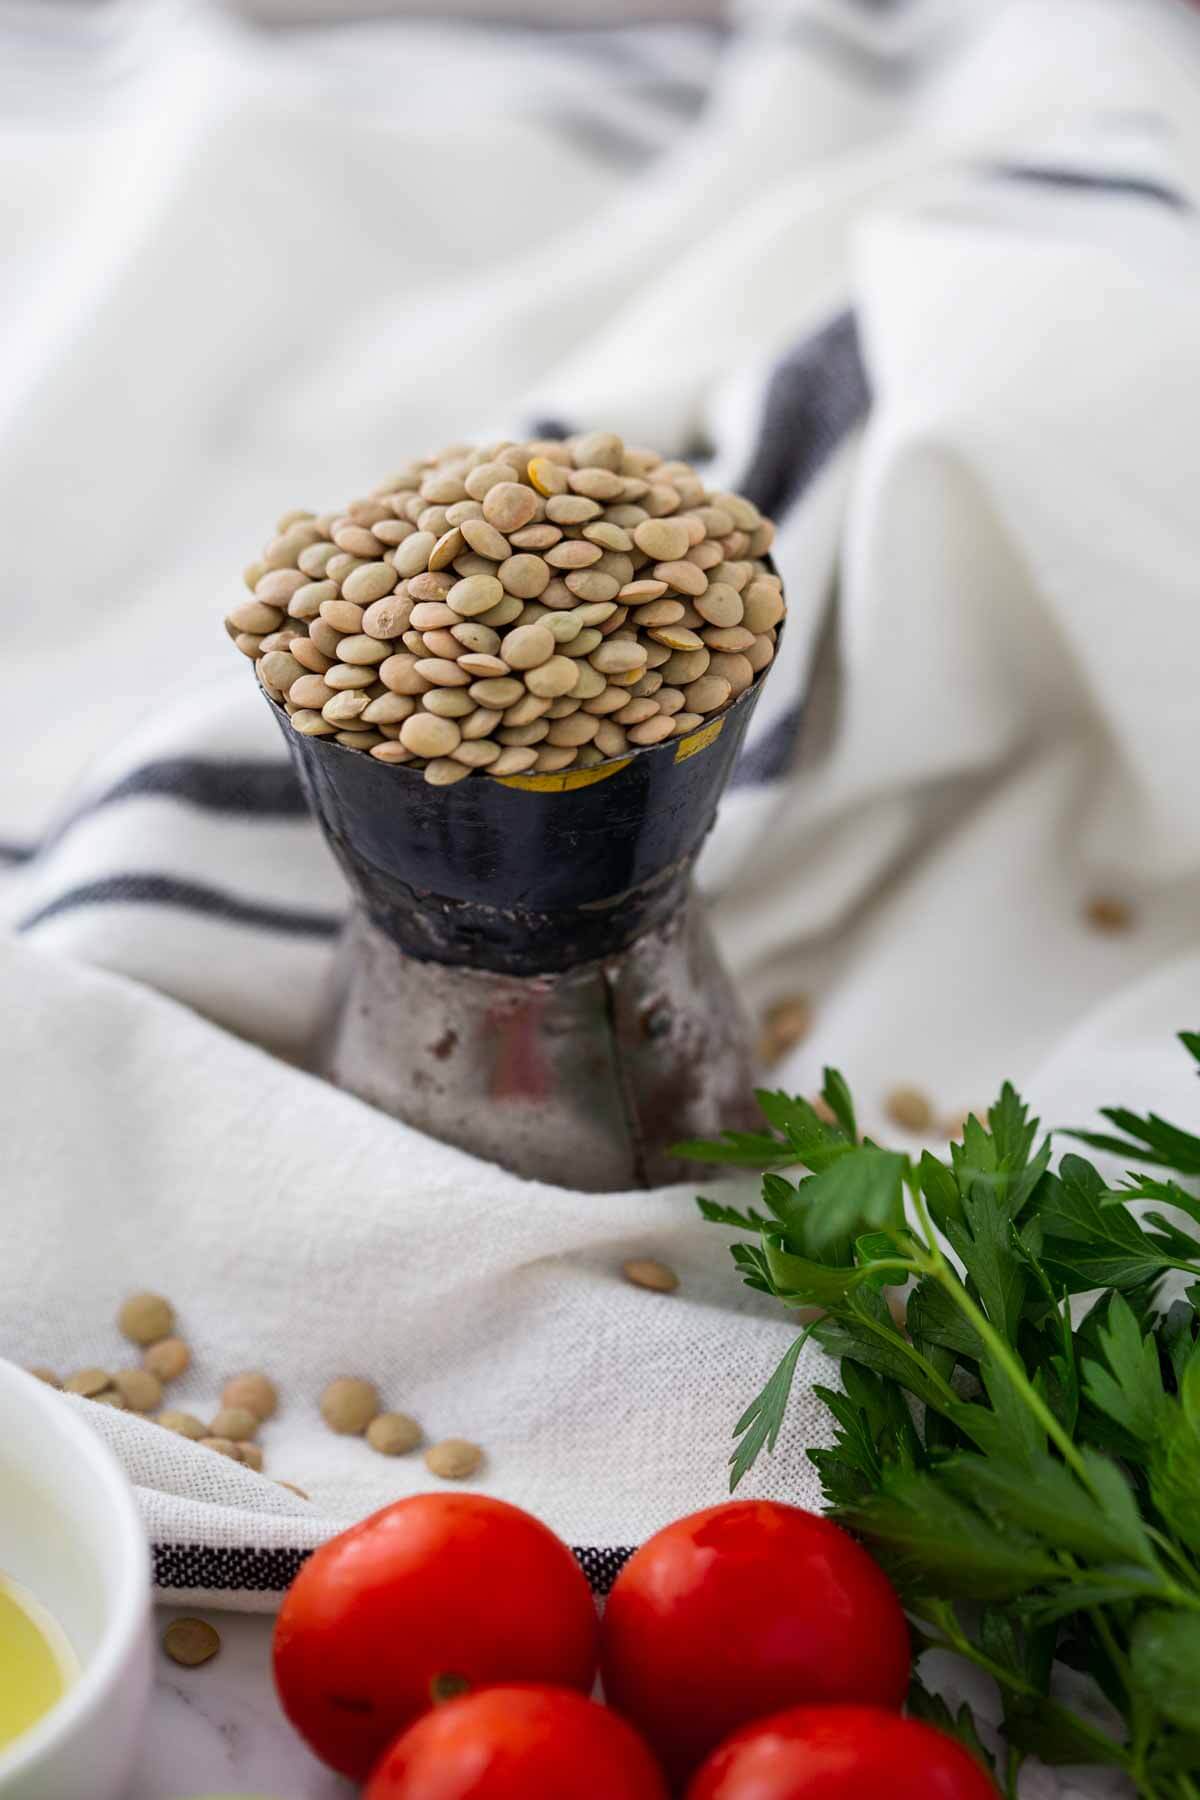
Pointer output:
1023, 1457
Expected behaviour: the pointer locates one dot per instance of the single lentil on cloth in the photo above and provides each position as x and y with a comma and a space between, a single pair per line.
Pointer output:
454, 1459
647, 1272
513, 609
910, 1109
785, 1024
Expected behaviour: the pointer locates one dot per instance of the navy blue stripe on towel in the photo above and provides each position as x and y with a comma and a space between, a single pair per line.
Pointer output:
256, 789
263, 790
188, 896
250, 786
815, 397
245, 1569
768, 756
1092, 181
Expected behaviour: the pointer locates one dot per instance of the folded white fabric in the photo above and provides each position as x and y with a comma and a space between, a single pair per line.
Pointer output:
922, 280
300, 1232
550, 13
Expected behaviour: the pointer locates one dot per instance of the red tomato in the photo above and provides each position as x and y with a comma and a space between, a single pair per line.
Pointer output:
739, 1611
518, 1743
841, 1753
440, 1591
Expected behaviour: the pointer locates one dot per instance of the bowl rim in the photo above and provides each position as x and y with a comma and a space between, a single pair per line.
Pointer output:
108, 1485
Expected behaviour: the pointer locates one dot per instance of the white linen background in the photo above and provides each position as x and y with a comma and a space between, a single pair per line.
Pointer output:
247, 271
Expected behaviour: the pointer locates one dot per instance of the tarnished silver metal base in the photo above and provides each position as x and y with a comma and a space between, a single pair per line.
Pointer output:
583, 1078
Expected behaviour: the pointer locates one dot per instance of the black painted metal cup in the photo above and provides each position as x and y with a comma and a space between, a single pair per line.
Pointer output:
528, 972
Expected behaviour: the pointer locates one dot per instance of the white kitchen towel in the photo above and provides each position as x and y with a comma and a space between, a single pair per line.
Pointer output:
921, 279
300, 1232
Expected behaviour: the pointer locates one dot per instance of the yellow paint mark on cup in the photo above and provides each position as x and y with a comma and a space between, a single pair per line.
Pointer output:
565, 780
698, 740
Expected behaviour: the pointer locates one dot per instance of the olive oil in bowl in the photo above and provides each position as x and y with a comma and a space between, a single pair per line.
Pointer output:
37, 1664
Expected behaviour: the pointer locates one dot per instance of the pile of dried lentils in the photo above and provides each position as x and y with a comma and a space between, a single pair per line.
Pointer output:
514, 608
350, 1405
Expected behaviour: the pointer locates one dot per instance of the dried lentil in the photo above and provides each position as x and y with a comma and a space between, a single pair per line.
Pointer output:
1106, 913
393, 1434
785, 1024
454, 1459
349, 1404
222, 1446
140, 1390
236, 1422
514, 566
646, 1272
168, 1359
88, 1382
145, 1318
190, 1642
183, 1424
910, 1109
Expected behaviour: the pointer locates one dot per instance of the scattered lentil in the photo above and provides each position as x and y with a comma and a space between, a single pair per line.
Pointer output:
349, 1404
454, 1459
236, 1422
190, 1642
645, 1272
146, 1318
393, 1434
139, 1389
252, 1391
183, 1424
910, 1109
785, 1024
223, 1446
88, 1382
1106, 913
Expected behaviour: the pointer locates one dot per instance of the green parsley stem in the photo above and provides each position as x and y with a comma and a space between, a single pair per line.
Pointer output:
897, 1341
1179, 1596
902, 1263
948, 1279
1116, 1655
941, 1614
1015, 1370
933, 1248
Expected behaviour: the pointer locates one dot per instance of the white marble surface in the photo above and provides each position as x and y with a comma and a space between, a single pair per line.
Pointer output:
218, 1729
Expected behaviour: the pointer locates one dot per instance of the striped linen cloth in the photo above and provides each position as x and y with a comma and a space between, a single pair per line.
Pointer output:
921, 279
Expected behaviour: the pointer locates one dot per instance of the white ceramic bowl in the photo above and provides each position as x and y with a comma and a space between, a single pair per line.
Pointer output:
71, 1534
